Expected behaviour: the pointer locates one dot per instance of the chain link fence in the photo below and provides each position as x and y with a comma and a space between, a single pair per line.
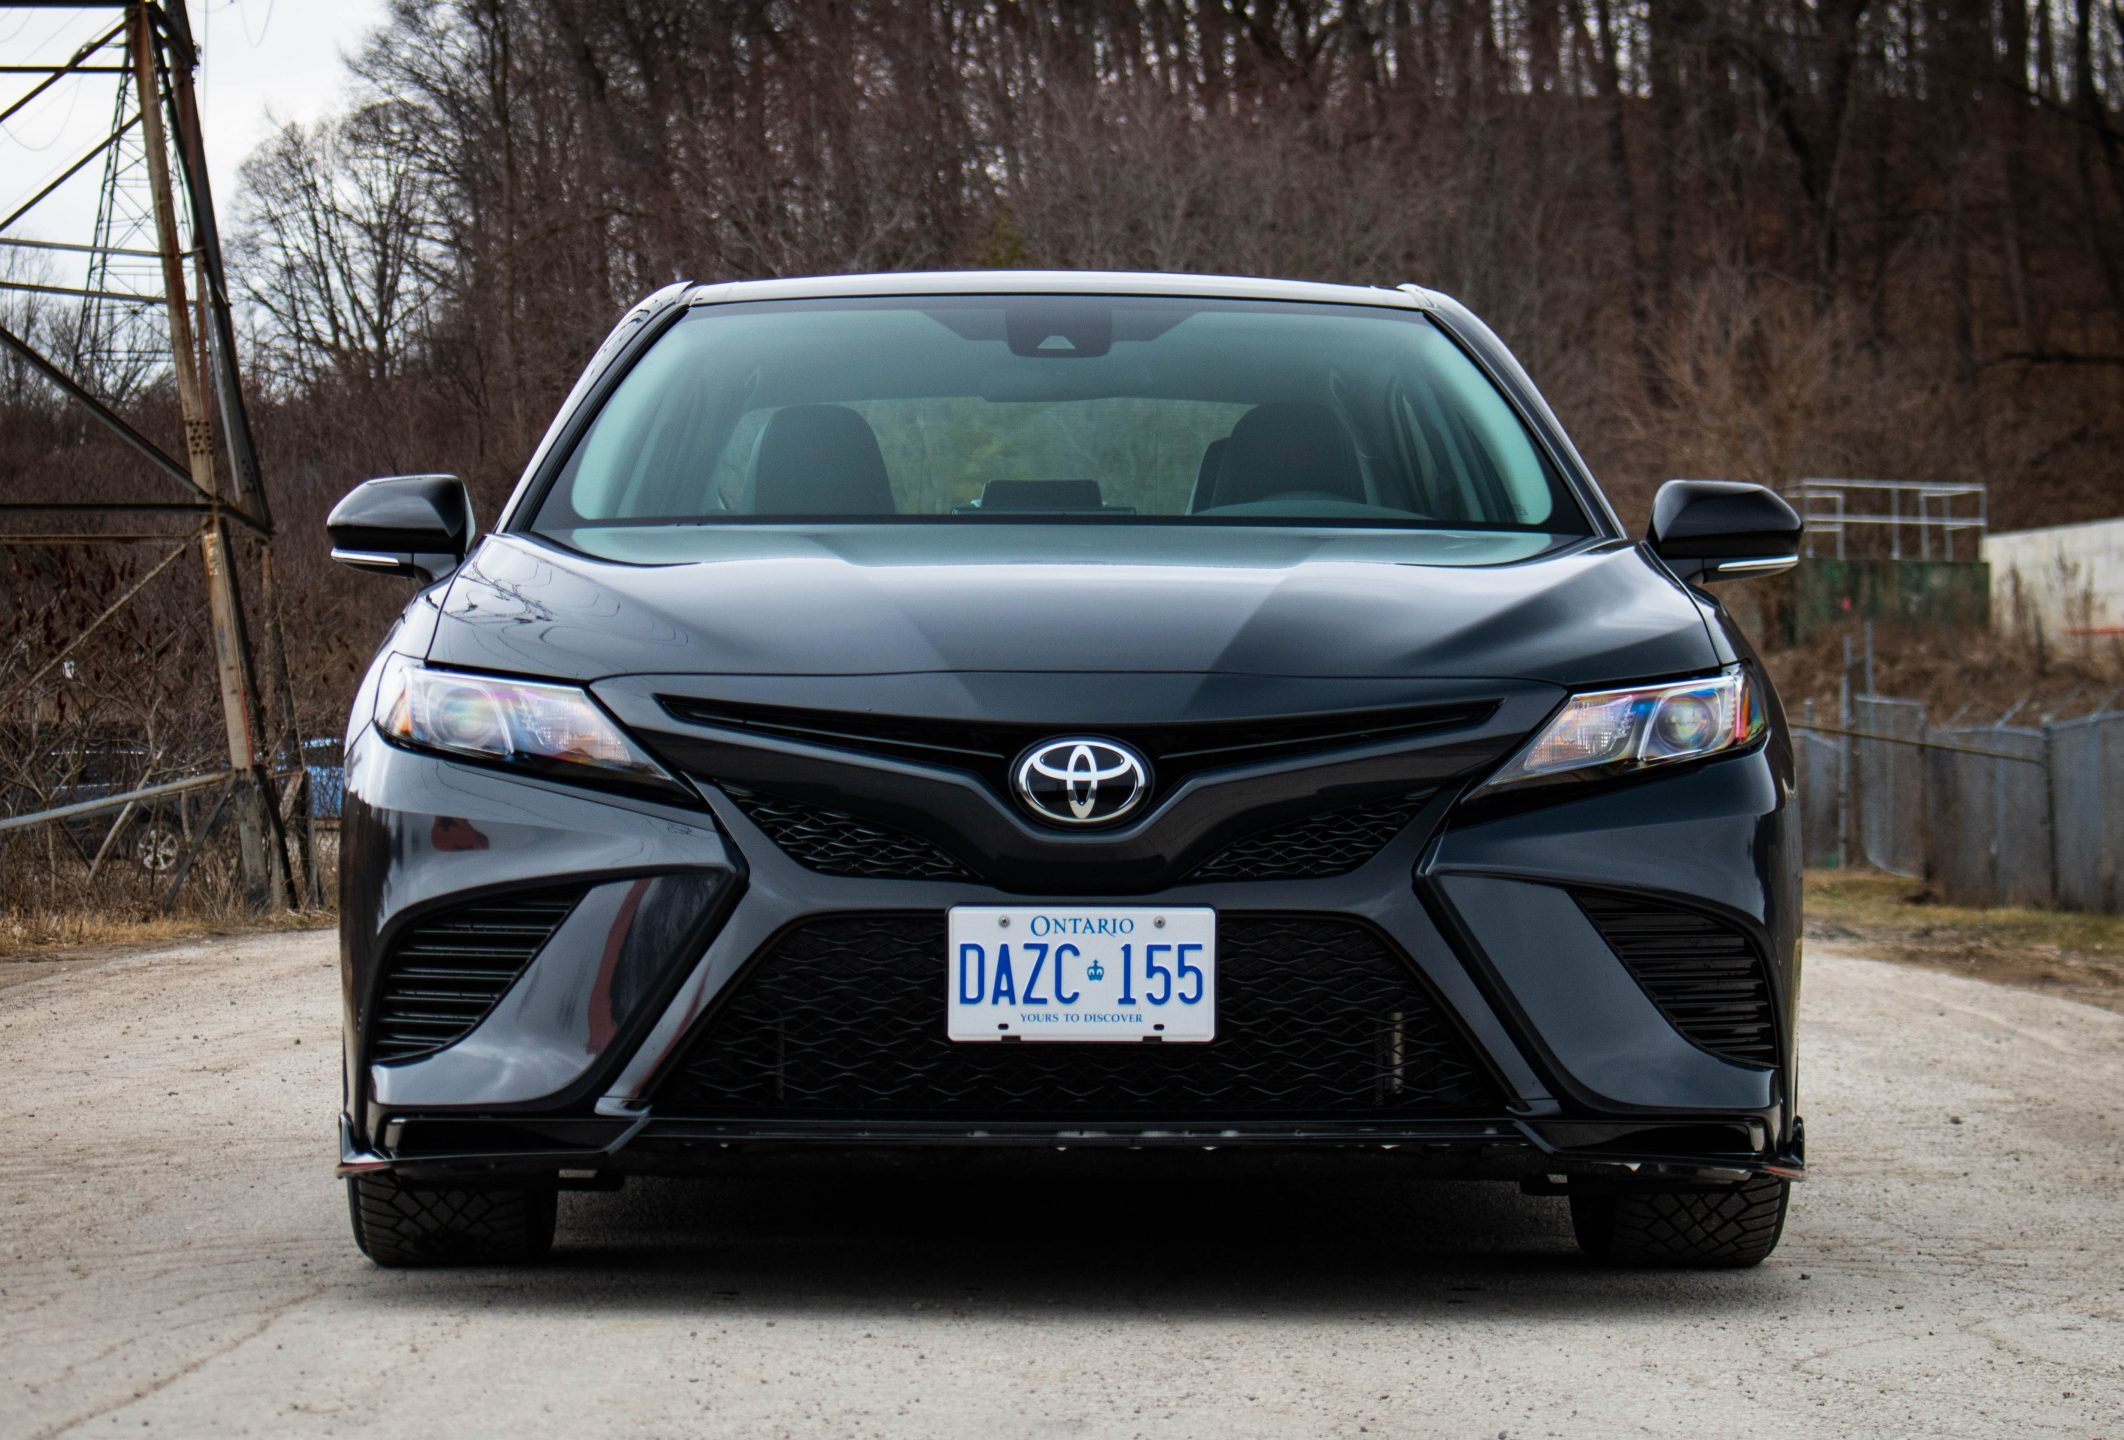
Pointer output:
2087, 819
1820, 759
2000, 814
1891, 777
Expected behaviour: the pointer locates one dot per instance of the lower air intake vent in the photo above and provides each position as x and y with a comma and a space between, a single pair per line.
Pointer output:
1704, 975
835, 844
448, 971
1331, 844
1317, 1017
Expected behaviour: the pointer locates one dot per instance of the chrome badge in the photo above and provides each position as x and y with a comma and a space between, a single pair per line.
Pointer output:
1077, 781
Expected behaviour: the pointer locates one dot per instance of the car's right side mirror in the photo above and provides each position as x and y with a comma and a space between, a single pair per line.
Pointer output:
1723, 529
418, 525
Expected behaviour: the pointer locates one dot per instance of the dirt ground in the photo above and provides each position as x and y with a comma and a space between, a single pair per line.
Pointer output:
174, 1260
2079, 957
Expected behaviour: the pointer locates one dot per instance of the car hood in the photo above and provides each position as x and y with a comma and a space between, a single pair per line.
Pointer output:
853, 600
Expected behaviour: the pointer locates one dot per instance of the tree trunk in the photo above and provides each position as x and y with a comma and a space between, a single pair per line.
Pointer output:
1608, 55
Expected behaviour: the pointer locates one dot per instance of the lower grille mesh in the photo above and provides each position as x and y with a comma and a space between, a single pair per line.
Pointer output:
845, 1017
1314, 848
835, 844
449, 970
1704, 975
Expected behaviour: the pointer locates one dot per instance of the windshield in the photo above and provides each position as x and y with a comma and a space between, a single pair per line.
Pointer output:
1104, 409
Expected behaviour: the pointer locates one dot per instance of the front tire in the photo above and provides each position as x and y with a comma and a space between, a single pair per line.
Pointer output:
1729, 1228
399, 1225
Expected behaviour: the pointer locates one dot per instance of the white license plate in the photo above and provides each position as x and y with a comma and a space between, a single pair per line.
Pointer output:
1082, 972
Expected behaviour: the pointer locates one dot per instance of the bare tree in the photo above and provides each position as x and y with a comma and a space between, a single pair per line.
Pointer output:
1939, 181
336, 241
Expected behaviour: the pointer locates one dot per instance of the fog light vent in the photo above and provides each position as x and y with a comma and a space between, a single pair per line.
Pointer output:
450, 969
1703, 974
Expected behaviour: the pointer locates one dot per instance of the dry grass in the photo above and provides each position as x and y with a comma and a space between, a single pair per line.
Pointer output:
1972, 672
51, 909
62, 935
2079, 956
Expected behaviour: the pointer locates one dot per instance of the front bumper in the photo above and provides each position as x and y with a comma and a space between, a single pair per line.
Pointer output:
1590, 1076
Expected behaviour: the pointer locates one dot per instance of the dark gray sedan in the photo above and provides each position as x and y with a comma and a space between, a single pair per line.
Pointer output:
1066, 710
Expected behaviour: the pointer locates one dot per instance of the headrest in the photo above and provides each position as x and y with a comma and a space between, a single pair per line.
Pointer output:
819, 460
1285, 446
1205, 492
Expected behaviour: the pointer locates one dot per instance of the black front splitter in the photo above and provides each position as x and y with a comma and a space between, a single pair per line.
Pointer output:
1501, 1147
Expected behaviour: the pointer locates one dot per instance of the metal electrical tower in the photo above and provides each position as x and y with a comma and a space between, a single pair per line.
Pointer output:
155, 313
120, 345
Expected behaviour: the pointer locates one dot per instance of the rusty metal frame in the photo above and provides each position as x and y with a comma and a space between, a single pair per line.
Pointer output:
151, 45
115, 802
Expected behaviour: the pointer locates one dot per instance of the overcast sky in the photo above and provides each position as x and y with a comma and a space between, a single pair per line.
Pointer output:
261, 61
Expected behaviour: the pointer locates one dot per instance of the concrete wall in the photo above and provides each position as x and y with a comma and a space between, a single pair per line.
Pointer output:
2064, 578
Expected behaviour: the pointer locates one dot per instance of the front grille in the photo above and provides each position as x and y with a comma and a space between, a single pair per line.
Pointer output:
1704, 975
1175, 751
1314, 848
1316, 1017
449, 970
836, 844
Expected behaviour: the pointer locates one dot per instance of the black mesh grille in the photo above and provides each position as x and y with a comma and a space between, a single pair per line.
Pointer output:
844, 1017
1175, 751
448, 971
1704, 975
835, 844
1321, 845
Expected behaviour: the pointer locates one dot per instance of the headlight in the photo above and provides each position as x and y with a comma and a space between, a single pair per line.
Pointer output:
1609, 732
549, 728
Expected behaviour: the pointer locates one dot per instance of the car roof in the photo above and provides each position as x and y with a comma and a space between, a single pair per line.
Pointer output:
1060, 282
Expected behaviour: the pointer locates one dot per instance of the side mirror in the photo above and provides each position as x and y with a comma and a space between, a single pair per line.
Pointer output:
418, 525
1723, 529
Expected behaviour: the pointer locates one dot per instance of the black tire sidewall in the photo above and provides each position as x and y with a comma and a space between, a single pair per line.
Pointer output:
514, 1226
1682, 1228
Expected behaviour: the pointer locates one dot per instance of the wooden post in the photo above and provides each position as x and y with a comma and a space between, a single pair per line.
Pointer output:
262, 870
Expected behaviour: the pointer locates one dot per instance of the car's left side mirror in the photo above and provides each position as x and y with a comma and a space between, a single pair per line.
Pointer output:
418, 525
1723, 529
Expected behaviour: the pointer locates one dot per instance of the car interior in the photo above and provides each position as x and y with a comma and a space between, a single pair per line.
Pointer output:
881, 417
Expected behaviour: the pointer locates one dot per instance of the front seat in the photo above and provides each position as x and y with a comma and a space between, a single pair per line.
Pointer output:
1287, 446
819, 460
1204, 494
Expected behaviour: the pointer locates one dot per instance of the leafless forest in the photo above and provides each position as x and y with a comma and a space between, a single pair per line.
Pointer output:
1762, 239
1750, 238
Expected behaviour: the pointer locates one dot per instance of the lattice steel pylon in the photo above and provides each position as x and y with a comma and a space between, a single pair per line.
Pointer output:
155, 278
120, 345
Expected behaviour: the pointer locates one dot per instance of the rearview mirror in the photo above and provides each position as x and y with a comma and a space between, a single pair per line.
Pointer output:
1723, 529
418, 525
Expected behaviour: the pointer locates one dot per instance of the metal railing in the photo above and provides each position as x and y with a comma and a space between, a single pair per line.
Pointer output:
1835, 511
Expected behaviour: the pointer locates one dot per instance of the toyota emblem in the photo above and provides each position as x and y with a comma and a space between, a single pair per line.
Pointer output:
1077, 781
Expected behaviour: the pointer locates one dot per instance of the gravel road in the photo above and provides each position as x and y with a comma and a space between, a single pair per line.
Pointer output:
174, 1258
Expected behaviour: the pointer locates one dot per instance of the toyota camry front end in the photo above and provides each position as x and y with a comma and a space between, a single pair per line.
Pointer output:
1067, 711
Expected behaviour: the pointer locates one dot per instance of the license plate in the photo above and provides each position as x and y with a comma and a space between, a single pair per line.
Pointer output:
1082, 973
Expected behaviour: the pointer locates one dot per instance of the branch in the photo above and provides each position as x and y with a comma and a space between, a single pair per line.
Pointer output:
2051, 357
